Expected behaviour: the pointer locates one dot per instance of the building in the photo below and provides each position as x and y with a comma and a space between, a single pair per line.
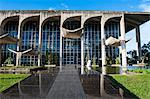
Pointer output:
70, 37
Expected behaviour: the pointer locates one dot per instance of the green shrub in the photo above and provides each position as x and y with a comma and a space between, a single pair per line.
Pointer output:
112, 70
144, 71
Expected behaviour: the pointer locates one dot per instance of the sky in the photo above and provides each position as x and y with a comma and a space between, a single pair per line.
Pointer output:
112, 5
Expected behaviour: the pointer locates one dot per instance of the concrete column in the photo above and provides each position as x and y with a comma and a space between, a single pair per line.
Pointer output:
82, 54
102, 89
40, 43
103, 46
138, 42
61, 48
123, 45
18, 58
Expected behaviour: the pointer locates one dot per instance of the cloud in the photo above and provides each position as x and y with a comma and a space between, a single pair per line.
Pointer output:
145, 7
64, 6
145, 0
51, 8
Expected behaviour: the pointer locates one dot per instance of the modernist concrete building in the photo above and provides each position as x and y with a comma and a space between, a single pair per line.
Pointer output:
72, 37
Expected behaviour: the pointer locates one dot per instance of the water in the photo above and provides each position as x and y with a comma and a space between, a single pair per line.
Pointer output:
102, 87
36, 86
137, 67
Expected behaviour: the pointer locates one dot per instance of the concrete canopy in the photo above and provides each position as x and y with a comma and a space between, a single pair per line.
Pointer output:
76, 33
6, 39
29, 52
111, 41
72, 32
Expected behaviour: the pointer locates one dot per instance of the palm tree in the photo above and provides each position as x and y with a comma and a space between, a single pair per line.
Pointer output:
145, 53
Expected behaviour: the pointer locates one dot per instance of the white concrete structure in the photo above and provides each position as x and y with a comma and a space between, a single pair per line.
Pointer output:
64, 34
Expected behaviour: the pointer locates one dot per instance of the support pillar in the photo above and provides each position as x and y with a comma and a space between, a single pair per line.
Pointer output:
103, 46
102, 89
123, 45
40, 43
82, 54
138, 43
18, 58
61, 48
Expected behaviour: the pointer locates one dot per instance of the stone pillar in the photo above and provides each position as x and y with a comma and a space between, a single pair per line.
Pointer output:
61, 42
61, 48
102, 89
18, 58
40, 42
103, 46
82, 54
123, 45
138, 42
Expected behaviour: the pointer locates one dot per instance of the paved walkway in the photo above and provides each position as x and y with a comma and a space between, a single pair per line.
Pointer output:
67, 85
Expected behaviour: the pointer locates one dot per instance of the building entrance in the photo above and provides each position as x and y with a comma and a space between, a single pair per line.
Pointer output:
71, 51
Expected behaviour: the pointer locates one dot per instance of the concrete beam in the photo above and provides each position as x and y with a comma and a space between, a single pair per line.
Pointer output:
132, 21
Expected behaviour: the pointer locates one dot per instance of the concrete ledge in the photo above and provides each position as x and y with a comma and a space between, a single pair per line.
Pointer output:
50, 65
8, 65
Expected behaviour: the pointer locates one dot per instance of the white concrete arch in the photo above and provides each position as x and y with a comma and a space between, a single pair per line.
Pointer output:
49, 18
70, 18
71, 33
44, 17
90, 18
9, 14
106, 17
65, 16
86, 17
23, 19
5, 20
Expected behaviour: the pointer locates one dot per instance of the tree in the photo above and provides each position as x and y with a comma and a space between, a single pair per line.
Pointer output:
94, 62
117, 60
56, 59
132, 57
49, 57
9, 60
108, 60
146, 54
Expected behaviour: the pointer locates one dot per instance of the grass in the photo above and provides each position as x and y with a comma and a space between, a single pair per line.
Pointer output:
8, 80
144, 71
15, 67
137, 84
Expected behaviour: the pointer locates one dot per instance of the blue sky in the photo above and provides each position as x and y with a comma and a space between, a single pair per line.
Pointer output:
115, 5
128, 5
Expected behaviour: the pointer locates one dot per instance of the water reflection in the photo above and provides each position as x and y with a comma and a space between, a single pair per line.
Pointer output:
100, 86
36, 86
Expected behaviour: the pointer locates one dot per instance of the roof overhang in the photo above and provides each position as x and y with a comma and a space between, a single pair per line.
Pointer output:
133, 20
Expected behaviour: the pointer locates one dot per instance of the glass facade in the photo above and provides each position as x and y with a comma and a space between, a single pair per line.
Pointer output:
51, 42
30, 38
71, 51
10, 27
92, 41
72, 47
112, 29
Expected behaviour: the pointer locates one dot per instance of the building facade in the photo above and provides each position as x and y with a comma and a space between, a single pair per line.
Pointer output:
68, 37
